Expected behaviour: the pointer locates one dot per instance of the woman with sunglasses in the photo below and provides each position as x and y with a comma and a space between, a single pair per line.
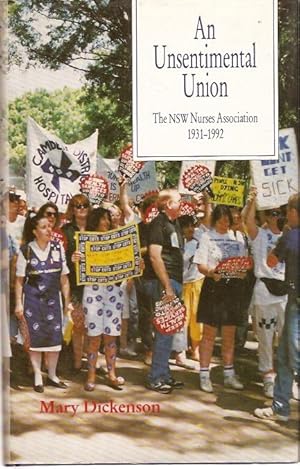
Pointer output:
268, 308
41, 263
50, 211
77, 213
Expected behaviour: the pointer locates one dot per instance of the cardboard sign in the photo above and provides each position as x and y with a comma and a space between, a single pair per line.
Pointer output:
144, 182
232, 266
228, 191
197, 178
57, 236
276, 180
127, 166
169, 317
187, 208
109, 257
95, 188
151, 213
185, 165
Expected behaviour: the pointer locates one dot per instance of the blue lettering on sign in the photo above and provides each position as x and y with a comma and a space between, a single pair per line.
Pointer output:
282, 142
275, 170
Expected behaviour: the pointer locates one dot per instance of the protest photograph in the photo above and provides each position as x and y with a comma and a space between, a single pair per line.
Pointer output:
149, 247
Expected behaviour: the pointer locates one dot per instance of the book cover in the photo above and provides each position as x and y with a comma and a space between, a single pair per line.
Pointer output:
71, 69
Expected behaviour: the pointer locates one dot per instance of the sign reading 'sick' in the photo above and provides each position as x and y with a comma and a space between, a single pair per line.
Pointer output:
169, 317
127, 166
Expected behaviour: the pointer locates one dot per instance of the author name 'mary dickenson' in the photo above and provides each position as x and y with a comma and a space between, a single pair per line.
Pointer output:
96, 407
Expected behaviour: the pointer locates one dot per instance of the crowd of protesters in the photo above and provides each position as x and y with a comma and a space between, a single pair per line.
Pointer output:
179, 256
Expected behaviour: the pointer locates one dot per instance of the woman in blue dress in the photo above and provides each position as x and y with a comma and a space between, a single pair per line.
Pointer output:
42, 275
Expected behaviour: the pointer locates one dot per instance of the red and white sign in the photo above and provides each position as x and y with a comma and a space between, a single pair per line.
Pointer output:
187, 208
95, 188
232, 266
197, 178
150, 213
169, 317
127, 166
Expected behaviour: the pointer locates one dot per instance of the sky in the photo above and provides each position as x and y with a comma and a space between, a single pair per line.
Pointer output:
20, 81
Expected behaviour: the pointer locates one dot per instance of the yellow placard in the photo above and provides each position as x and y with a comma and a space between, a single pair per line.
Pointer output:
109, 257
228, 191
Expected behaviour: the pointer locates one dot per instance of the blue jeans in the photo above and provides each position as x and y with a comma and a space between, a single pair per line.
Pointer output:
160, 370
288, 359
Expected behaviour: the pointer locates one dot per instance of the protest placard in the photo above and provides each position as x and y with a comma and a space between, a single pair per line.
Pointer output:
228, 191
169, 316
145, 181
233, 266
53, 168
127, 166
185, 166
95, 188
276, 180
187, 208
108, 257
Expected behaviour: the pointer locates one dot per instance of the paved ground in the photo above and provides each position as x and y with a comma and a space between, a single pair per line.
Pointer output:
190, 427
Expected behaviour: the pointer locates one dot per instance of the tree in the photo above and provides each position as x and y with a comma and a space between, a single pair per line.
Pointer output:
61, 113
92, 36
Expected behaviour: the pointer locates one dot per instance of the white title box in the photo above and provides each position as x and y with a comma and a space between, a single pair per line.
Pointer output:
205, 79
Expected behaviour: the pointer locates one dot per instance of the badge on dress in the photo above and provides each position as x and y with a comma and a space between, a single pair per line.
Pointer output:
55, 256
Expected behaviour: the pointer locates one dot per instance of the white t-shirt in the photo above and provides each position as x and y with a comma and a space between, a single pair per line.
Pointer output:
190, 269
15, 228
42, 255
215, 247
199, 231
264, 242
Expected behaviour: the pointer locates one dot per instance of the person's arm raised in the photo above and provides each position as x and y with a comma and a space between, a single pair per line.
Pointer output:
248, 213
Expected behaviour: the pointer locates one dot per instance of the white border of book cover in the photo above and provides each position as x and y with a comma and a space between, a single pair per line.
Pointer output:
72, 427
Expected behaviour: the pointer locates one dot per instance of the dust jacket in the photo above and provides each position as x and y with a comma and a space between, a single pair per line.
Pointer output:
205, 76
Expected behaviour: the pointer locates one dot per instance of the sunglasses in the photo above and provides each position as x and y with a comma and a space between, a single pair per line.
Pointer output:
51, 214
14, 198
79, 206
273, 213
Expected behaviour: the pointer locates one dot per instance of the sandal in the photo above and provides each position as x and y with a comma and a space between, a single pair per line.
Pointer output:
89, 387
116, 383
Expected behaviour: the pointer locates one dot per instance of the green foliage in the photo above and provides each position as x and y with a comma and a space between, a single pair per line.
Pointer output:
60, 112
114, 130
168, 173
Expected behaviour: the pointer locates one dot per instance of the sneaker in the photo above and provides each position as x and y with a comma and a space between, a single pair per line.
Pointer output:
267, 413
127, 353
205, 384
163, 388
233, 382
269, 389
175, 384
